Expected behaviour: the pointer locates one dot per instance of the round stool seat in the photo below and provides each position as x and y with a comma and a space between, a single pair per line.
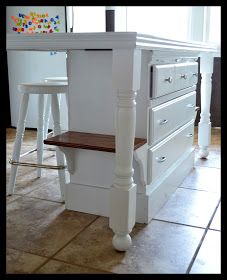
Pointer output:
43, 87
56, 79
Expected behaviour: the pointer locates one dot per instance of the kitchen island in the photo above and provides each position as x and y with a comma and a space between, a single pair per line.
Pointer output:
131, 112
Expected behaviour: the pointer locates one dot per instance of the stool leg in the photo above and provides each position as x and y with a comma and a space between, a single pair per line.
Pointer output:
57, 130
47, 116
40, 133
18, 141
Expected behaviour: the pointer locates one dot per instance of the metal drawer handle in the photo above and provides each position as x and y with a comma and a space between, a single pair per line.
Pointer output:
184, 76
170, 79
189, 135
191, 105
160, 159
163, 122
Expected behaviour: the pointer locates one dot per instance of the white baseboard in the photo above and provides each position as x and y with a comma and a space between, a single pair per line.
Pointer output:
95, 200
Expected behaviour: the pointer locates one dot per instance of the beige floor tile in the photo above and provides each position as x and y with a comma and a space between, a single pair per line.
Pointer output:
213, 159
50, 191
157, 248
203, 178
21, 262
42, 227
216, 222
12, 198
189, 207
208, 259
57, 267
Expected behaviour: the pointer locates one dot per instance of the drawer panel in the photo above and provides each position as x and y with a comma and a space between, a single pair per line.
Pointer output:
164, 154
186, 75
162, 80
167, 117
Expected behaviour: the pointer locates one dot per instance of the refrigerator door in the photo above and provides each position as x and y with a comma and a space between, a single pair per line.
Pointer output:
34, 66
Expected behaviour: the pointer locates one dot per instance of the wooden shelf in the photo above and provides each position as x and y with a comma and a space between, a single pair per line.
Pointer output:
88, 141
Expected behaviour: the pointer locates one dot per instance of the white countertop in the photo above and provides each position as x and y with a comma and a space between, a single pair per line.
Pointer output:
101, 40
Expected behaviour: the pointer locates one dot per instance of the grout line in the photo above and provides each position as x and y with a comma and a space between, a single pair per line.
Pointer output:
201, 241
83, 266
52, 256
176, 223
190, 188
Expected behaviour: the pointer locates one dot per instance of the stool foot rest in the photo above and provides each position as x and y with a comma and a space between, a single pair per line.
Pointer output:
88, 141
29, 164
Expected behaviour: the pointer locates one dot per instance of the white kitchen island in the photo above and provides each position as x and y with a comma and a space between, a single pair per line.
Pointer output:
122, 86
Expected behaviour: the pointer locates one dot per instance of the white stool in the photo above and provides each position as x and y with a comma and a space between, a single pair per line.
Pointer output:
52, 89
48, 102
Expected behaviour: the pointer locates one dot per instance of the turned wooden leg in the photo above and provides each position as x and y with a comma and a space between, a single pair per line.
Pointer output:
57, 130
18, 141
204, 126
126, 73
40, 133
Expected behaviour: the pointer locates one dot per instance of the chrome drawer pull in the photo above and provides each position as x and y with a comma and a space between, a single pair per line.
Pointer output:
163, 122
184, 76
170, 79
160, 159
190, 105
189, 135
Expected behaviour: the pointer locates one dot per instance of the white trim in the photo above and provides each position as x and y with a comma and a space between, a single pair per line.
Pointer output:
101, 40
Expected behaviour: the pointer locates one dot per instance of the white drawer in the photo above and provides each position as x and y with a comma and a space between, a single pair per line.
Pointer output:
162, 80
185, 75
172, 77
164, 154
169, 116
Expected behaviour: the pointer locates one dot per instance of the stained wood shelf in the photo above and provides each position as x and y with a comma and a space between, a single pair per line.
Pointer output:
88, 141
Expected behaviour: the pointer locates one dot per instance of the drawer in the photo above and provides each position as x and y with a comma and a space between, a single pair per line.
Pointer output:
165, 153
186, 75
162, 77
167, 117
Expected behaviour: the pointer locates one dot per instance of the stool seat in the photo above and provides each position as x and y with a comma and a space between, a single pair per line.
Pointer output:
43, 87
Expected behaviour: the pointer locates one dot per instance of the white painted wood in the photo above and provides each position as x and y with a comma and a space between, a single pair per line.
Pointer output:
166, 152
101, 40
148, 202
157, 194
185, 75
57, 130
167, 117
123, 190
204, 126
163, 80
40, 133
18, 141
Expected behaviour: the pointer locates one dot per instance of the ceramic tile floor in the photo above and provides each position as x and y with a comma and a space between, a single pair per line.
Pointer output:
44, 238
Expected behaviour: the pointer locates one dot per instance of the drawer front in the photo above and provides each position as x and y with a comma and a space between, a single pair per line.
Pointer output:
164, 154
186, 75
162, 80
166, 118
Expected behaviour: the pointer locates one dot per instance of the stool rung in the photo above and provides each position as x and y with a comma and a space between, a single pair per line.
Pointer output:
29, 164
29, 152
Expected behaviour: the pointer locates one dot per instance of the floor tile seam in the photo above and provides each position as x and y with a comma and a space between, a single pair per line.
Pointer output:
43, 199
180, 224
190, 188
27, 252
201, 241
8, 202
79, 264
67, 243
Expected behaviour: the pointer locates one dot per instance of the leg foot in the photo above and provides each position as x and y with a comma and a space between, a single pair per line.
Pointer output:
203, 152
121, 242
